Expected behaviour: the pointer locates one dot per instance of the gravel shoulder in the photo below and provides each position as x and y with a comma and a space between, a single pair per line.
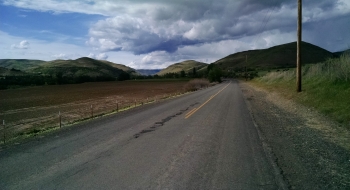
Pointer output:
311, 151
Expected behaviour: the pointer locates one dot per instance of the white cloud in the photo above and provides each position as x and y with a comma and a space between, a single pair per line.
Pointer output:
22, 45
172, 25
39, 49
101, 56
156, 33
60, 56
107, 8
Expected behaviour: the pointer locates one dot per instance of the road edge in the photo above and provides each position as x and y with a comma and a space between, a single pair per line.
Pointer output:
278, 172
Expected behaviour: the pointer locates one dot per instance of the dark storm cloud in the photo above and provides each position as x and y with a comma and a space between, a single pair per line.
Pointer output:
169, 25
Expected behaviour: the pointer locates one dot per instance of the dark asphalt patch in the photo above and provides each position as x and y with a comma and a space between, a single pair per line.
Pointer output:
162, 122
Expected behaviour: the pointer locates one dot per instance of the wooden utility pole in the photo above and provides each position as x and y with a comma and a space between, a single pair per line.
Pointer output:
246, 74
298, 47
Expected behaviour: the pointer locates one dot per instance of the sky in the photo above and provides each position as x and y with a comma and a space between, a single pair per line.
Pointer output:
153, 34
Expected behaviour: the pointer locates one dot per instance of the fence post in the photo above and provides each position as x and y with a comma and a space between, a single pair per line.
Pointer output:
135, 103
92, 112
117, 107
60, 118
3, 123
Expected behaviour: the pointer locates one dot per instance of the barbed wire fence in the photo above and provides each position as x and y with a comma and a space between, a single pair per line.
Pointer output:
15, 125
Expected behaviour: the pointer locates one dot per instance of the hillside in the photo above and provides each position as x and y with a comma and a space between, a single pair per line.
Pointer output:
281, 56
20, 64
339, 53
182, 66
71, 68
81, 70
11, 72
76, 68
122, 67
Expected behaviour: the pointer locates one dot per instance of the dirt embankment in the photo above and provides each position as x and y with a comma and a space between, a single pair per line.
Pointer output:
311, 151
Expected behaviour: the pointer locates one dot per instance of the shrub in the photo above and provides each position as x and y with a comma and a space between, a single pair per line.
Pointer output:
196, 84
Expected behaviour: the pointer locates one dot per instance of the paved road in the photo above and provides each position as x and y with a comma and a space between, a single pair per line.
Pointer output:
204, 140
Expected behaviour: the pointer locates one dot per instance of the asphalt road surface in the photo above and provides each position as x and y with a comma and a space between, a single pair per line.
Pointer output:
203, 140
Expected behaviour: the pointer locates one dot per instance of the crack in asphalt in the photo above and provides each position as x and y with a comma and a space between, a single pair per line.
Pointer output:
163, 121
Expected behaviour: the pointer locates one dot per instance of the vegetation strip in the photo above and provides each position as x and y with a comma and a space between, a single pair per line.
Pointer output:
190, 114
326, 87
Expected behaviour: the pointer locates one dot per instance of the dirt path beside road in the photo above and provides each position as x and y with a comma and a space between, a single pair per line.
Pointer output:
311, 151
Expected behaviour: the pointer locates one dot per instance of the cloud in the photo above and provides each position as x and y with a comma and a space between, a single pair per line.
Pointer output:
39, 49
60, 56
22, 45
172, 25
101, 56
156, 33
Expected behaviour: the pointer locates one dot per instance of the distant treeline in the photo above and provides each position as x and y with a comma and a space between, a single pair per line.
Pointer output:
7, 82
213, 73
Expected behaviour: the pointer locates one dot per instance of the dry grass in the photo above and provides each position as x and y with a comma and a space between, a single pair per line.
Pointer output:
325, 86
196, 84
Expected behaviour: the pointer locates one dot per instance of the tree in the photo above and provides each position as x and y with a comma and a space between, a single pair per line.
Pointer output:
194, 72
214, 73
182, 74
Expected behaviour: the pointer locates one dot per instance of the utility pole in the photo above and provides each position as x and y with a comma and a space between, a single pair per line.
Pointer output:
298, 46
246, 74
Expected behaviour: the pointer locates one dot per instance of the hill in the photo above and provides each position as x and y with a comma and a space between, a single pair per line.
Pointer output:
20, 64
148, 72
122, 67
76, 68
339, 53
281, 56
11, 72
36, 72
182, 66
68, 68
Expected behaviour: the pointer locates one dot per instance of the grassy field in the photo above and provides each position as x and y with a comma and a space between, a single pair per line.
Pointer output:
326, 87
34, 109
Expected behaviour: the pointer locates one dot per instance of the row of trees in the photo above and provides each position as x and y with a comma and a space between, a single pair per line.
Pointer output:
37, 80
213, 73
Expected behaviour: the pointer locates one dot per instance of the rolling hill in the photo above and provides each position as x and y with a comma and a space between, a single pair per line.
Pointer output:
11, 72
339, 53
20, 64
75, 68
67, 68
122, 67
182, 66
281, 56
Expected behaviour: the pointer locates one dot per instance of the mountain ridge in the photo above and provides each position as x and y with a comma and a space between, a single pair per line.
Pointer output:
280, 56
186, 66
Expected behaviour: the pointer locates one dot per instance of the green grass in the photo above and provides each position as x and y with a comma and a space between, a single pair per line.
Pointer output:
325, 87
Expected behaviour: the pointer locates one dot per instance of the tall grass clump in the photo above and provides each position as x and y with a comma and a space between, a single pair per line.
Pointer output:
196, 84
325, 86
332, 70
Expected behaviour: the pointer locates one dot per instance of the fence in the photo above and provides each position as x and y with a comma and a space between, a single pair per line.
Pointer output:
34, 121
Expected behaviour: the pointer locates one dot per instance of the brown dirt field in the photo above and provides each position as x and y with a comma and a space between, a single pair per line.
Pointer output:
38, 107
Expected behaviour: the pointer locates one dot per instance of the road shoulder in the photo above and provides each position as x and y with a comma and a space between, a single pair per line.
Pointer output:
311, 151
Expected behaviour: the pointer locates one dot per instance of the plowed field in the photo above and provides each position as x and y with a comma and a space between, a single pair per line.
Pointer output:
38, 107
